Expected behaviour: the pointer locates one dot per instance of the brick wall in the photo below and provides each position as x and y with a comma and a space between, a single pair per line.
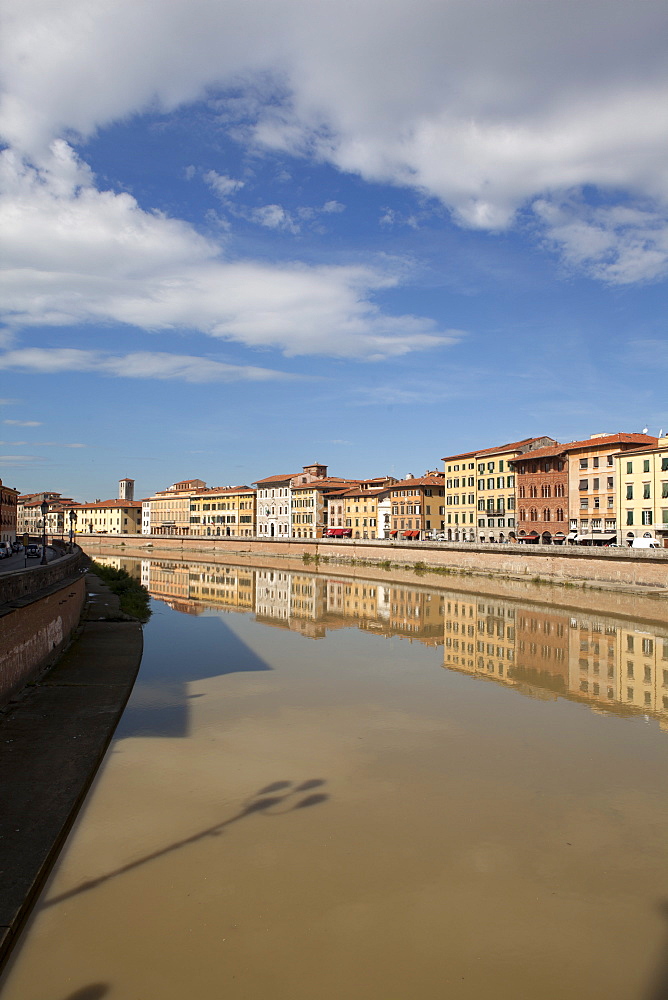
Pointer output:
33, 635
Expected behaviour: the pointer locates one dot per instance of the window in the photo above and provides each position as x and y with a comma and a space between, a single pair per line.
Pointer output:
629, 491
595, 462
546, 490
595, 486
584, 484
521, 493
610, 482
664, 463
559, 490
584, 463
645, 491
647, 517
560, 513
584, 503
547, 514
645, 465
629, 467
629, 517
664, 490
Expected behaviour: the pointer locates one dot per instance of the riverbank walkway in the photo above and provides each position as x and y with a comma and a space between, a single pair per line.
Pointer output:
53, 738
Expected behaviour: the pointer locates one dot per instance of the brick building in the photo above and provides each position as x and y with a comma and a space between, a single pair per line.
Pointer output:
8, 513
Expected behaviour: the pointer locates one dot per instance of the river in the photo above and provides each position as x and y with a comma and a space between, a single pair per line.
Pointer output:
325, 787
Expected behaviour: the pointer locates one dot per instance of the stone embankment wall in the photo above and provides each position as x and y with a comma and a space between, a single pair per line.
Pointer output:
40, 608
473, 569
633, 568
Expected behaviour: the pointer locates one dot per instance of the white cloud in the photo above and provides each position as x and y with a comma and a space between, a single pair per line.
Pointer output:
74, 254
332, 206
23, 423
140, 364
620, 245
223, 185
274, 217
495, 102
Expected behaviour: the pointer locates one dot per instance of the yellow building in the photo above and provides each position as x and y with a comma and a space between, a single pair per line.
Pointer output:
642, 493
106, 517
480, 491
359, 511
223, 511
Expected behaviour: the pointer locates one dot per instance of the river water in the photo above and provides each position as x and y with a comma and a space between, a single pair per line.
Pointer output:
325, 787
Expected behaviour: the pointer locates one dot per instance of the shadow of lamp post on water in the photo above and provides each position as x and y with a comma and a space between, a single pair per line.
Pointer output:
262, 802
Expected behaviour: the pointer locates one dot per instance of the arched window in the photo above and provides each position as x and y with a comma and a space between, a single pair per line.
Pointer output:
545, 490
547, 514
560, 513
533, 491
523, 514
521, 493
533, 514
559, 490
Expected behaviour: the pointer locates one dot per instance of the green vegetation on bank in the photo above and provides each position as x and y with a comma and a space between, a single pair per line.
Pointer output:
134, 597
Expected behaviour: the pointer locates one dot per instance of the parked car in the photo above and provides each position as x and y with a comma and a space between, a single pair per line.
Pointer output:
16, 546
33, 551
5, 550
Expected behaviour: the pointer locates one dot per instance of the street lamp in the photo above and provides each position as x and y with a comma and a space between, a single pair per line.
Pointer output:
44, 507
73, 522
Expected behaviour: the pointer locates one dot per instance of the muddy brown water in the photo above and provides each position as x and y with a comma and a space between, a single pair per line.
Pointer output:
328, 788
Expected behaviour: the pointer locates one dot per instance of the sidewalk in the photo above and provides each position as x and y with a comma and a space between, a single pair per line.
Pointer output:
53, 738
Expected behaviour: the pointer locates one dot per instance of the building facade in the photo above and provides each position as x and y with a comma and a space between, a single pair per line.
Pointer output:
8, 513
417, 506
169, 510
568, 492
642, 493
480, 498
106, 517
224, 511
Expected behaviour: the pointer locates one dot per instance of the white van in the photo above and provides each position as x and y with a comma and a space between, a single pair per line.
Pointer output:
644, 543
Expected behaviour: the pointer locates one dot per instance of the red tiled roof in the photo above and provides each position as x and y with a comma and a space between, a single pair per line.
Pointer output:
277, 479
562, 449
114, 504
513, 446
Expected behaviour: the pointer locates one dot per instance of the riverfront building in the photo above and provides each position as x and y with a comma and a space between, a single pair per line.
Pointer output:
224, 511
417, 505
169, 510
309, 505
8, 513
568, 491
105, 517
642, 492
480, 498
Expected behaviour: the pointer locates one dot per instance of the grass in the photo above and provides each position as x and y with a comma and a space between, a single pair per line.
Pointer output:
134, 597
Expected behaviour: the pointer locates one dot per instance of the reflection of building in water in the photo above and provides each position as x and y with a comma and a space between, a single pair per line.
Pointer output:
593, 668
222, 586
550, 653
272, 594
168, 580
479, 637
417, 613
542, 649
622, 664
308, 599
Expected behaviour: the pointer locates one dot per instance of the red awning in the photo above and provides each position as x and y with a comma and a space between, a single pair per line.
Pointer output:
394, 533
336, 532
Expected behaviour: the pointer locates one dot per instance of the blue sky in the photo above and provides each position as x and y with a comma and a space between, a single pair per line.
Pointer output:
239, 238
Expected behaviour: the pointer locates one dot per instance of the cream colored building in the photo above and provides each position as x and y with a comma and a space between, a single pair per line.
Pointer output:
642, 493
107, 517
224, 511
169, 510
